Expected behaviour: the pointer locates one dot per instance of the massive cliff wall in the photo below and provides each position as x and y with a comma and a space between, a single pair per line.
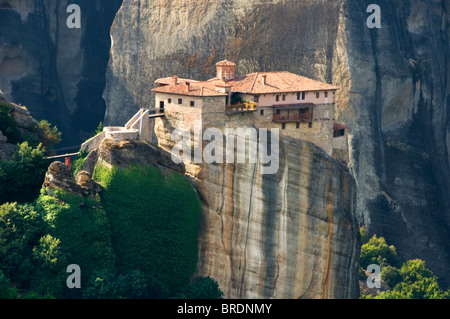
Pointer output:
291, 234
394, 89
59, 73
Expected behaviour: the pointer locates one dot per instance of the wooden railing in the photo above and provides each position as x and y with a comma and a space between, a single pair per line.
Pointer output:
246, 106
307, 117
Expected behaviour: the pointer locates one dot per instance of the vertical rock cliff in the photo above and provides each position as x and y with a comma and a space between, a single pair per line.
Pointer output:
394, 95
292, 234
59, 73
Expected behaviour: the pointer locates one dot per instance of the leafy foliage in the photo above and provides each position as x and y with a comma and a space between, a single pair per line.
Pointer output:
82, 228
6, 292
48, 135
21, 178
99, 128
202, 288
410, 280
154, 221
376, 251
78, 162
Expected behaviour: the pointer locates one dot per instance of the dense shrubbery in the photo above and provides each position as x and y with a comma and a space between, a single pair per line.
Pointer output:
154, 220
21, 178
139, 240
410, 280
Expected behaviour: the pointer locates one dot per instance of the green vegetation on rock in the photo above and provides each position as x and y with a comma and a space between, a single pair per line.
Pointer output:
410, 280
154, 221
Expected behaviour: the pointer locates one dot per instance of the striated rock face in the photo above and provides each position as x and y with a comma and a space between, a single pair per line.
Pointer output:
58, 72
394, 95
292, 234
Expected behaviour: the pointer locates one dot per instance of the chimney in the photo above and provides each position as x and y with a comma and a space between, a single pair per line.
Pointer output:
264, 78
225, 70
188, 86
174, 80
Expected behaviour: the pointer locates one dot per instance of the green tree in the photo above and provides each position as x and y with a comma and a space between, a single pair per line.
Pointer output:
391, 276
99, 128
48, 135
21, 178
20, 229
376, 251
202, 288
6, 292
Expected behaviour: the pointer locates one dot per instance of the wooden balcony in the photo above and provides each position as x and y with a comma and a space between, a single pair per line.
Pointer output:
283, 118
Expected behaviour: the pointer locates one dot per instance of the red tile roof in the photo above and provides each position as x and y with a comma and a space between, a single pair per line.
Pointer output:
275, 82
225, 63
194, 90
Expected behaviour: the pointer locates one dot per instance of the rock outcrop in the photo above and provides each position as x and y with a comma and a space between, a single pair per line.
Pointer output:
59, 73
394, 95
292, 234
59, 176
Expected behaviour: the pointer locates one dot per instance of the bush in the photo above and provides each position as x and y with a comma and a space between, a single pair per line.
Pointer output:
48, 135
202, 288
391, 276
376, 251
6, 292
154, 221
21, 178
83, 231
21, 227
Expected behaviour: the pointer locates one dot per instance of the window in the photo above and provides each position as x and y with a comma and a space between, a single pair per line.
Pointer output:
261, 112
169, 100
180, 101
283, 97
303, 95
256, 98
297, 125
298, 95
326, 94
338, 133
283, 126
317, 95
277, 98
192, 103
310, 124
278, 111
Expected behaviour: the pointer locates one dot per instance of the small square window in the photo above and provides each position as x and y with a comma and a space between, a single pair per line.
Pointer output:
283, 97
256, 98
169, 100
192, 103
326, 94
303, 95
317, 95
297, 125
310, 124
277, 98
298, 95
180, 101
261, 112
283, 125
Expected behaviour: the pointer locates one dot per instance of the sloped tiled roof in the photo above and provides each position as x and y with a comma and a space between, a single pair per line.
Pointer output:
277, 82
194, 90
169, 80
225, 63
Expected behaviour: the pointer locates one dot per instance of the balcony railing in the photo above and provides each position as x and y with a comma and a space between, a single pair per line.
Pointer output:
245, 106
283, 118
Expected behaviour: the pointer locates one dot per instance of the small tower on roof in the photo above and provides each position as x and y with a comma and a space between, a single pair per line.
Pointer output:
225, 70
